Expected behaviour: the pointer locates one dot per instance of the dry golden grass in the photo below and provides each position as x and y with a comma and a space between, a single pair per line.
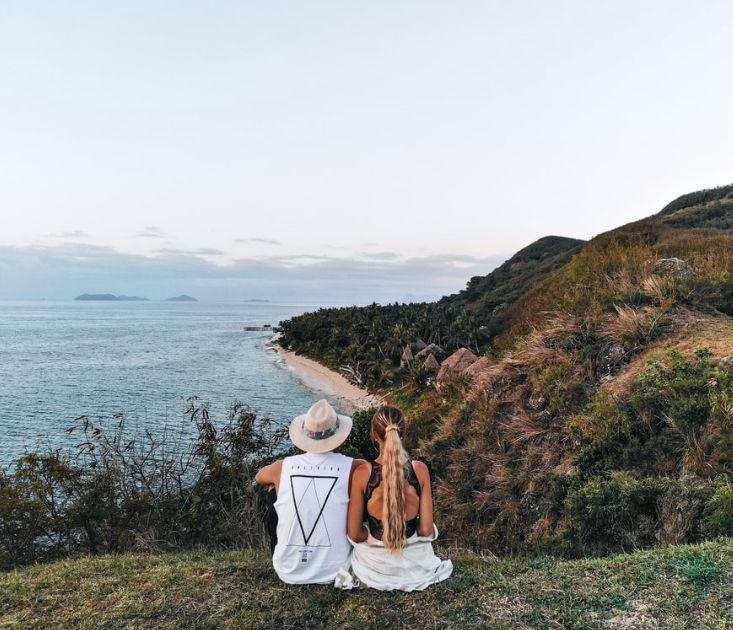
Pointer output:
692, 330
526, 415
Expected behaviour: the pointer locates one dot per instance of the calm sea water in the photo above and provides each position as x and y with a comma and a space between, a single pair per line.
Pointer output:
142, 359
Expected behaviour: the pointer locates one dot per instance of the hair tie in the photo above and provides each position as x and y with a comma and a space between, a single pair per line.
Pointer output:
391, 427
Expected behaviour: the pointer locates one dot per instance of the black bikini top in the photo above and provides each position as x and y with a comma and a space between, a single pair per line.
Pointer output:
375, 524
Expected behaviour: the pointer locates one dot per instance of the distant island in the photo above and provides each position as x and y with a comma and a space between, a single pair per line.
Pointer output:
109, 297
181, 298
259, 300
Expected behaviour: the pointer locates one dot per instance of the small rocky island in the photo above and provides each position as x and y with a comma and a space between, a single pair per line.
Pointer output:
109, 297
181, 298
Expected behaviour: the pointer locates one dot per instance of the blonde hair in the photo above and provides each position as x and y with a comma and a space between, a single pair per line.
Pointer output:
389, 423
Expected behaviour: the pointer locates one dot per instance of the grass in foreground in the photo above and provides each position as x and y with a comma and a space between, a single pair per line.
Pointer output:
678, 587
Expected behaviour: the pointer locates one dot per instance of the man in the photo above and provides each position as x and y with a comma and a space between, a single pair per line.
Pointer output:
312, 498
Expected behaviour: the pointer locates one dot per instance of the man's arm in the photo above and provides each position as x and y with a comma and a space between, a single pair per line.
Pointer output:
269, 476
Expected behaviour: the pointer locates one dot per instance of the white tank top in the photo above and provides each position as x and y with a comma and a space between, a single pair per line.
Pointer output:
311, 505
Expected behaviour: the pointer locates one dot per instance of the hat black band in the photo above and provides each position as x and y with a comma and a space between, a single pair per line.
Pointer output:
320, 435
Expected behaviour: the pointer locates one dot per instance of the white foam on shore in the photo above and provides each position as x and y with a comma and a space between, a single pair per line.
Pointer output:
340, 392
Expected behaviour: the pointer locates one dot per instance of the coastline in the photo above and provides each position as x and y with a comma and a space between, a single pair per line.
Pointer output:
340, 392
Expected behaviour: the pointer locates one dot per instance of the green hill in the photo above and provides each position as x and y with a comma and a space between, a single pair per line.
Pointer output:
705, 208
512, 278
680, 587
369, 340
602, 417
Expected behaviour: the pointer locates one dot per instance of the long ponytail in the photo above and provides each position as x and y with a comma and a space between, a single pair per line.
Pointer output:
389, 423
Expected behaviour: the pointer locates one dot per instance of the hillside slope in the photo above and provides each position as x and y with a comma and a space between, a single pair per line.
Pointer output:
508, 281
678, 587
369, 340
603, 418
705, 208
607, 423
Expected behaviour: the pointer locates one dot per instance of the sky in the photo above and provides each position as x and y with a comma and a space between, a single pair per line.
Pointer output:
341, 152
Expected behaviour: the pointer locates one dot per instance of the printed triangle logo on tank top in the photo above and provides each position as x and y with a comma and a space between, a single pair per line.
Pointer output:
310, 495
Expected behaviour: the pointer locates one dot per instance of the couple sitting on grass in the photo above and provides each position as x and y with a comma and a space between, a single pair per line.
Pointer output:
348, 522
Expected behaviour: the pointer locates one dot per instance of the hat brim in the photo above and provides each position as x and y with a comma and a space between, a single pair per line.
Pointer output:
309, 445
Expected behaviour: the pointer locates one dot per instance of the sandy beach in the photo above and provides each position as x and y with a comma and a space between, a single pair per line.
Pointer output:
339, 391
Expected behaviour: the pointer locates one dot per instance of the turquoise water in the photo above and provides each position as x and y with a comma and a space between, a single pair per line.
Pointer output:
61, 360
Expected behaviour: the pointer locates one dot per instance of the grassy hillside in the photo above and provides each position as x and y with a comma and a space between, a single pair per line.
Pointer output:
680, 587
512, 278
705, 208
368, 341
603, 420
607, 421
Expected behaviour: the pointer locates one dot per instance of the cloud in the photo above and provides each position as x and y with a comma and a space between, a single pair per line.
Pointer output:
151, 231
200, 251
261, 241
65, 270
379, 255
67, 235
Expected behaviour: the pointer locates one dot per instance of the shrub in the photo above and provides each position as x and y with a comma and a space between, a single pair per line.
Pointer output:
719, 508
620, 511
119, 494
359, 444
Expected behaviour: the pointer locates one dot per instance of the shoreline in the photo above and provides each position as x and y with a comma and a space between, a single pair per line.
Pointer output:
340, 392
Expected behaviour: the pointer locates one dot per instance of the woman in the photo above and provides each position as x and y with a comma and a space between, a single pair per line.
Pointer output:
392, 495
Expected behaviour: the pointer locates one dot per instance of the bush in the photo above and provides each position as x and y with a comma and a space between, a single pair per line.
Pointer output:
620, 511
359, 444
719, 509
119, 494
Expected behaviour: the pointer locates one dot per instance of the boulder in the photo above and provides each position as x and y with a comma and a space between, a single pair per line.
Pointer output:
407, 357
672, 266
417, 346
455, 364
478, 366
431, 348
431, 363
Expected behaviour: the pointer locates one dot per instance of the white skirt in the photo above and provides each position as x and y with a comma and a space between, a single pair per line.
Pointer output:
414, 569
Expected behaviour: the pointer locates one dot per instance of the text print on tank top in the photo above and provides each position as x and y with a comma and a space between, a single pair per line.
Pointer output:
311, 505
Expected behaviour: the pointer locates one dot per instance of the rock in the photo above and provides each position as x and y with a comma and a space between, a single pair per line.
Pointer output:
431, 363
407, 357
455, 364
417, 346
478, 366
431, 348
672, 266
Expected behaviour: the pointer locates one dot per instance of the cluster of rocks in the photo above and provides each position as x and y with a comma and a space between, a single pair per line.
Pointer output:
460, 362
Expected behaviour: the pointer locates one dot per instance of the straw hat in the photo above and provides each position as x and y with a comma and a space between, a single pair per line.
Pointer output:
320, 430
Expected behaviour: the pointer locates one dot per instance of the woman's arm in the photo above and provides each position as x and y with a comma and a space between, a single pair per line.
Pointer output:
355, 520
269, 476
425, 526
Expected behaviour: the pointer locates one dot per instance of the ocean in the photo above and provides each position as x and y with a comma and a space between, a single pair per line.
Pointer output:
62, 360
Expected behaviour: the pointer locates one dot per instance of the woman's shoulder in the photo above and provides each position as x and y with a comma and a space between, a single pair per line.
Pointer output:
362, 471
421, 470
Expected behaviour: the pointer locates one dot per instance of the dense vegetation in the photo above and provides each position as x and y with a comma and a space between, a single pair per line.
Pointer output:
366, 342
123, 493
608, 423
604, 418
705, 208
678, 587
